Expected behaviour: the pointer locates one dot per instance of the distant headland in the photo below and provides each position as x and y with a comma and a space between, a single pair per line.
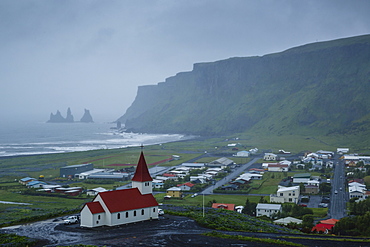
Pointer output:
58, 118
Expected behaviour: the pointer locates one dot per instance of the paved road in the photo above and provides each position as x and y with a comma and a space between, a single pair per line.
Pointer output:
230, 177
339, 197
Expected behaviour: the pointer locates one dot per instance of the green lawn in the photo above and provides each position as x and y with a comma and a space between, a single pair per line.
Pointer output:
238, 200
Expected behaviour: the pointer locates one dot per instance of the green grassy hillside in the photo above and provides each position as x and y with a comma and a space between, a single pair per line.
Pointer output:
319, 89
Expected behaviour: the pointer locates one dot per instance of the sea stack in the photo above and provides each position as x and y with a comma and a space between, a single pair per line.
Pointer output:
87, 118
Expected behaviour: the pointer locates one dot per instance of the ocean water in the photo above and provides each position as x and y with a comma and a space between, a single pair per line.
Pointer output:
41, 138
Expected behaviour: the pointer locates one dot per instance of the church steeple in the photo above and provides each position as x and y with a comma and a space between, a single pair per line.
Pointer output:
142, 179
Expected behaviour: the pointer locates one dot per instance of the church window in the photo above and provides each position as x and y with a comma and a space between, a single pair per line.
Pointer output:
118, 216
153, 210
98, 217
126, 214
134, 213
142, 212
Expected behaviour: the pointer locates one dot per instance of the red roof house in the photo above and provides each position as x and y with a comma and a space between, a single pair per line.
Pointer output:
119, 207
224, 206
186, 186
324, 226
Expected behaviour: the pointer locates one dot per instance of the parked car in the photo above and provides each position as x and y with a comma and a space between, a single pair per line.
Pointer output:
71, 220
194, 195
160, 211
323, 205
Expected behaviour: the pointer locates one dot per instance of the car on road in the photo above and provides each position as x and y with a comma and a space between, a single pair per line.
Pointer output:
73, 219
194, 195
336, 192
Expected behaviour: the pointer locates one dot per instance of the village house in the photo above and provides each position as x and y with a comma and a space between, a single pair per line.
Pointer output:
26, 180
288, 220
286, 194
157, 183
194, 165
342, 150
301, 178
277, 168
242, 154
249, 176
268, 209
311, 189
117, 207
174, 192
266, 165
270, 156
355, 158
358, 190
95, 191
201, 178
186, 186
221, 163
324, 226
36, 184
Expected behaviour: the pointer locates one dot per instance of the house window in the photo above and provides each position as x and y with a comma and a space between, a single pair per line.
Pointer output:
118, 216
142, 212
126, 214
290, 194
281, 194
290, 199
134, 213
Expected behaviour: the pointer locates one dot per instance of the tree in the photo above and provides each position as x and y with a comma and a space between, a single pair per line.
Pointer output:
262, 200
307, 221
250, 208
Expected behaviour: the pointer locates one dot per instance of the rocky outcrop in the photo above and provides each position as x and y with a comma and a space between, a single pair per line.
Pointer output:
58, 118
69, 118
87, 118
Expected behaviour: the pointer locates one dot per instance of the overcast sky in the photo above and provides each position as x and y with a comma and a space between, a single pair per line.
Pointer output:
94, 54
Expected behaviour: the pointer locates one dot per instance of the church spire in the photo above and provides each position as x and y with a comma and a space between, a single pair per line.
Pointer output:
142, 173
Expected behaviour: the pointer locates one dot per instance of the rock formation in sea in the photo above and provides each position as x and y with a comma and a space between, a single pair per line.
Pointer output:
56, 118
87, 118
69, 118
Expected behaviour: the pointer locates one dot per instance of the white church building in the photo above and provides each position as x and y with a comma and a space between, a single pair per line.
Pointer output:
112, 208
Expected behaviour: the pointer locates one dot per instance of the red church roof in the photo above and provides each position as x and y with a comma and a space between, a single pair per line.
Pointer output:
127, 199
95, 207
142, 173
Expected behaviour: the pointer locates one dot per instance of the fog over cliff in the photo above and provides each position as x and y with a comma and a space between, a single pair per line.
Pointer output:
95, 54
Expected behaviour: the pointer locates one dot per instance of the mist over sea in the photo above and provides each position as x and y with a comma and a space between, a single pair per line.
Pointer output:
21, 138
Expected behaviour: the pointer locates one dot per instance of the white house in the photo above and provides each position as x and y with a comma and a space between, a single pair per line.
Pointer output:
342, 150
287, 220
277, 168
270, 156
112, 208
242, 154
249, 176
268, 209
94, 192
186, 186
286, 194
